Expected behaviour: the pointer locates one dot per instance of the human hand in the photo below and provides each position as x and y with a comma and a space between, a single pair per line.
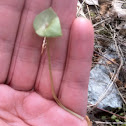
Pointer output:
25, 91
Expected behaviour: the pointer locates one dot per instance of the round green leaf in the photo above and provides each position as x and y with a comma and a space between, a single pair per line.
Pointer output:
47, 24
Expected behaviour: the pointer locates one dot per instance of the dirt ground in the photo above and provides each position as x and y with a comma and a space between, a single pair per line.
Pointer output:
110, 35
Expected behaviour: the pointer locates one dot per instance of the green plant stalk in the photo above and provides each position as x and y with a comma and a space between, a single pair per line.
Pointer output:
53, 90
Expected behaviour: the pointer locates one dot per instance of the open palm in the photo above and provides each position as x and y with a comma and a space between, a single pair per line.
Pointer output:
25, 91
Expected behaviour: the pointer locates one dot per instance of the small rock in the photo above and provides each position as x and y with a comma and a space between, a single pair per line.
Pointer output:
99, 80
92, 2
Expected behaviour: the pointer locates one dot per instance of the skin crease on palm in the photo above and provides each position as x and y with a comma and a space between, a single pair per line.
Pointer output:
25, 91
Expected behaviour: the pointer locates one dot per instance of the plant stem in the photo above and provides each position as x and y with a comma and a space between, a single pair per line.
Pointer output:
53, 89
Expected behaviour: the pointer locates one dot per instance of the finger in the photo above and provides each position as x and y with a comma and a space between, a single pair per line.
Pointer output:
27, 51
74, 87
10, 12
58, 49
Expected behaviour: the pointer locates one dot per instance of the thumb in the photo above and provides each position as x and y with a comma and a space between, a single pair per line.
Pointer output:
74, 87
